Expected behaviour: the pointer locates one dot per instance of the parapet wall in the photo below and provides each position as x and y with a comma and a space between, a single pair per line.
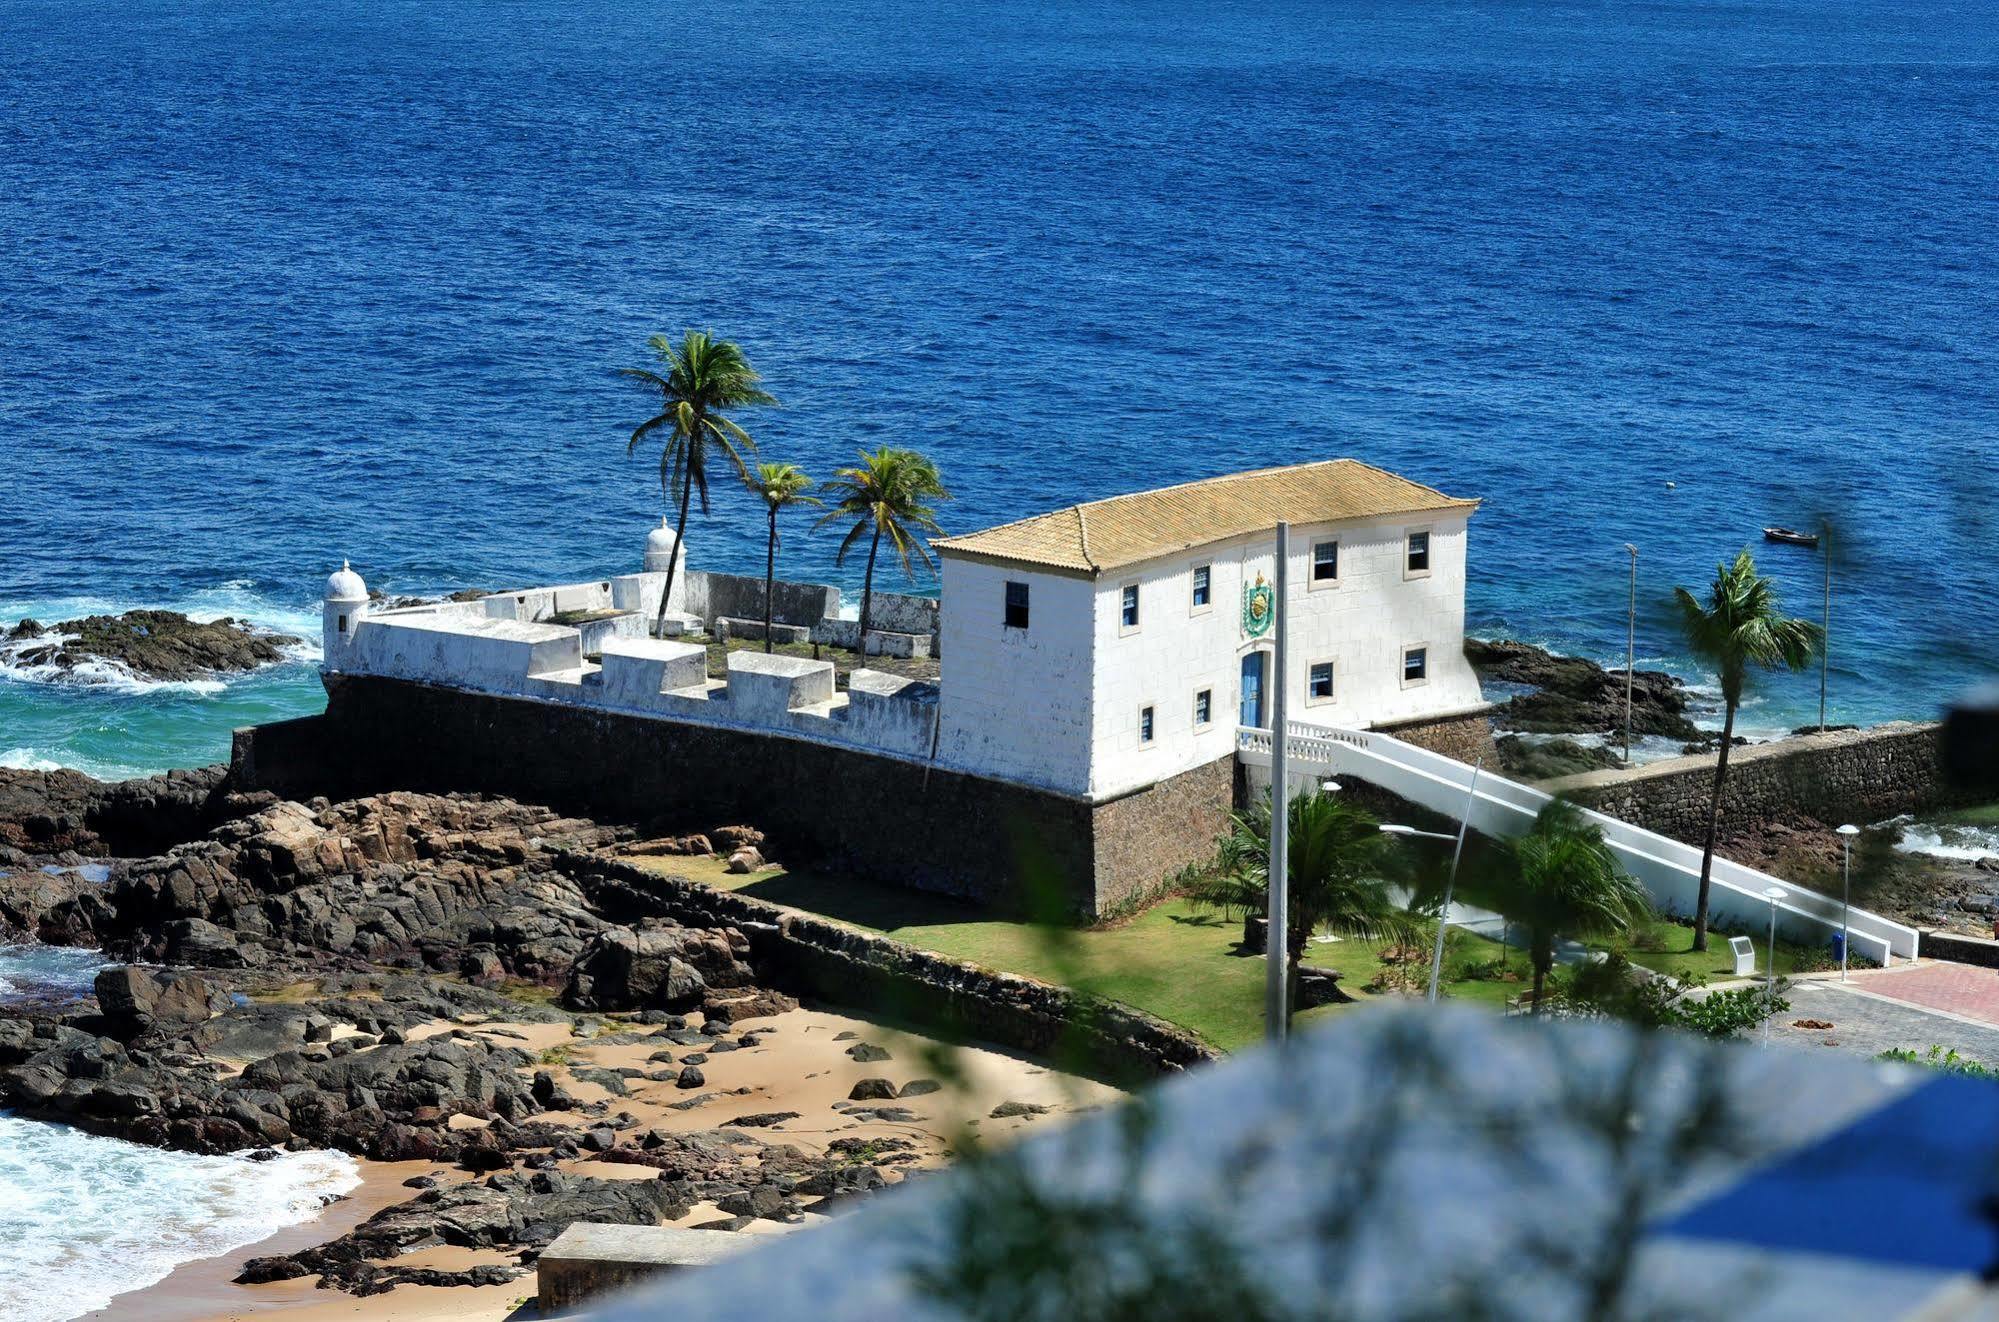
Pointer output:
817, 957
1857, 776
1001, 844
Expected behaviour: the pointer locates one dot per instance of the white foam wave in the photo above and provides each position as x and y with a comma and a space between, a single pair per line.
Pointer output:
94, 672
27, 759
1954, 841
85, 1218
230, 600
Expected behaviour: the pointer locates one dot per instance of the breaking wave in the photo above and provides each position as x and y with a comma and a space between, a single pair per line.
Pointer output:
1955, 841
85, 1218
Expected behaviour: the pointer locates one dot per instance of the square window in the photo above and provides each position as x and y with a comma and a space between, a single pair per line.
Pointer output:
1419, 552
1016, 605
1204, 706
1128, 607
1415, 665
1201, 577
1145, 725
1325, 562
1319, 682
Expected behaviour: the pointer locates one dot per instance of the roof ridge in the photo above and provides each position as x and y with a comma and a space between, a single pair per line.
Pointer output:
1228, 477
1083, 531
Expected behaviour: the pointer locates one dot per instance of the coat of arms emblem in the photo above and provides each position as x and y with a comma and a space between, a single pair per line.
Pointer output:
1259, 607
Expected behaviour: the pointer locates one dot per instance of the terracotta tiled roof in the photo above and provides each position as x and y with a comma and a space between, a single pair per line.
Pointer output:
1126, 530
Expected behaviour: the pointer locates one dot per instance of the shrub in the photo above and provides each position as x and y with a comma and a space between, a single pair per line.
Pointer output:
1942, 1061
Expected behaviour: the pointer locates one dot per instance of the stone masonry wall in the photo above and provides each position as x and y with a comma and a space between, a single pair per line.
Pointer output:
1856, 776
1146, 836
812, 956
1008, 846
1466, 736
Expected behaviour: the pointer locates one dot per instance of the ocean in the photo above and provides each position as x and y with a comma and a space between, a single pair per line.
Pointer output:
288, 283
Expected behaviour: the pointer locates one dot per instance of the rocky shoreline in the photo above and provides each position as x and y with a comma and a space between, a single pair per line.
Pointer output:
410, 977
1566, 696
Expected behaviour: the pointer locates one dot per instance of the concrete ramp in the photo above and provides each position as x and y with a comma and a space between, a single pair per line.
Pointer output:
1669, 869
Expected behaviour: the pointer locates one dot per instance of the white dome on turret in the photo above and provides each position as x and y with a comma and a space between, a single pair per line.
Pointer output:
661, 543
343, 584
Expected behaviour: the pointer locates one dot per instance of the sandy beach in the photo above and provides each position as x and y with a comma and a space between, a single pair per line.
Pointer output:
800, 1064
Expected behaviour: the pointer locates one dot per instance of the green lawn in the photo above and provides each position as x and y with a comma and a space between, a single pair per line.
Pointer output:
1676, 956
1986, 814
1172, 961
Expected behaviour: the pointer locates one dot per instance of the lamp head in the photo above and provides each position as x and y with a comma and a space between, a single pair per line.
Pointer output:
1849, 830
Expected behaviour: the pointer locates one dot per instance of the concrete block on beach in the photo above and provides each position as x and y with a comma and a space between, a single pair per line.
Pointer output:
589, 1260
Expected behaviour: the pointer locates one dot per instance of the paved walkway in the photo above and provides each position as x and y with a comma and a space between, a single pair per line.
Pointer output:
1866, 1022
1960, 989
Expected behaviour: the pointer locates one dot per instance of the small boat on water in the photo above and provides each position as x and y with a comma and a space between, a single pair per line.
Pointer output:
1791, 536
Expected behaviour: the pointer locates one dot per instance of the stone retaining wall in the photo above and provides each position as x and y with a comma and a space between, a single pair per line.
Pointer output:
804, 954
1856, 776
1960, 949
1009, 846
1466, 736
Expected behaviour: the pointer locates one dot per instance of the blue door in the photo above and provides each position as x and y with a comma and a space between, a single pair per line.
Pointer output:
1252, 688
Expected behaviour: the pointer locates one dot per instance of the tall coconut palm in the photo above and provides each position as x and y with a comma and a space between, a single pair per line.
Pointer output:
1340, 865
779, 485
1739, 626
886, 494
701, 377
1559, 879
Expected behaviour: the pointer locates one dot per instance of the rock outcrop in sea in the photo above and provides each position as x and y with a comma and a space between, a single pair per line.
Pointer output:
149, 644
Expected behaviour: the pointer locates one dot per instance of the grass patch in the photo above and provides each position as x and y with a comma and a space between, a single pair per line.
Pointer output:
1986, 814
1172, 960
556, 1055
1673, 953
530, 993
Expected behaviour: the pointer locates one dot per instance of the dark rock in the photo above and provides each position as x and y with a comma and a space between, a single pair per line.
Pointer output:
920, 1088
656, 966
1008, 1110
691, 1077
867, 1053
872, 1090
1575, 696
153, 644
761, 1120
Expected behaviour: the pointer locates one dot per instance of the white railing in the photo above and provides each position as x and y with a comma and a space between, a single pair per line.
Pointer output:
1669, 869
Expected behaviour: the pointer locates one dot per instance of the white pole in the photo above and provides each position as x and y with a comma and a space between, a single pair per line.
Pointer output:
1846, 834
1770, 969
1630, 649
1451, 879
1845, 906
1277, 938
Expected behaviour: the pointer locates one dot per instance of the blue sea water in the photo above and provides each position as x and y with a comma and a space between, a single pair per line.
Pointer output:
285, 283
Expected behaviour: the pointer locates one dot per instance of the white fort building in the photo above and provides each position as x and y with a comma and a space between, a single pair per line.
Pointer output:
1089, 651
1086, 700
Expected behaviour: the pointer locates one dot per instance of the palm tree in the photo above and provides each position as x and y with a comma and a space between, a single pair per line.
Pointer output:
702, 377
779, 485
887, 493
1339, 863
1738, 627
1559, 879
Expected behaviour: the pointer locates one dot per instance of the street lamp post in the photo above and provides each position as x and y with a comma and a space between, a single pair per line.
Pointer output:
1631, 650
1846, 834
1277, 939
1825, 638
1451, 878
1772, 894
